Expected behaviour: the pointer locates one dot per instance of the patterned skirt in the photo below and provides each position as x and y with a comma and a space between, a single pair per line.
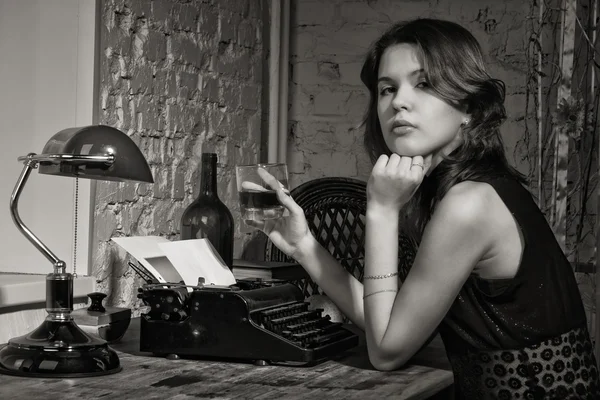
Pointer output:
560, 368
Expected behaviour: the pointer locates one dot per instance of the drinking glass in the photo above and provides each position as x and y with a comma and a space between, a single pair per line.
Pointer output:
258, 201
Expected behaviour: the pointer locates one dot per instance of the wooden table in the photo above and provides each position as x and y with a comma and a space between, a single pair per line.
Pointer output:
147, 377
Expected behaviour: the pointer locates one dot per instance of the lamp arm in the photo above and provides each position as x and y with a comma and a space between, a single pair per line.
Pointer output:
59, 265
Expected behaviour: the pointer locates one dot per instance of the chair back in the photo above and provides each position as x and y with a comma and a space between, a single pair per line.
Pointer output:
335, 210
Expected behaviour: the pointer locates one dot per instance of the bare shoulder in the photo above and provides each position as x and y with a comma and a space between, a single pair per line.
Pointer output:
465, 217
468, 202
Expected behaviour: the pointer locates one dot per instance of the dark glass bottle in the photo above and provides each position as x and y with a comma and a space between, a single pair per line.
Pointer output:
207, 216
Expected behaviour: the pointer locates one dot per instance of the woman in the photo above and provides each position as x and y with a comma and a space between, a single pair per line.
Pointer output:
488, 272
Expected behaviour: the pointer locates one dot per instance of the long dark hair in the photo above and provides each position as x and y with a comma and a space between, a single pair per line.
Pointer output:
455, 70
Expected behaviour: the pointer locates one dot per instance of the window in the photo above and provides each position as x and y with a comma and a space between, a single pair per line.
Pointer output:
47, 81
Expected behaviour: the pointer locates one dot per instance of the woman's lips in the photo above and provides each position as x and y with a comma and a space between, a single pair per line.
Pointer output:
402, 129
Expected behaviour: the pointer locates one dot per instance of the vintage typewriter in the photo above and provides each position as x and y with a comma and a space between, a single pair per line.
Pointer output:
252, 320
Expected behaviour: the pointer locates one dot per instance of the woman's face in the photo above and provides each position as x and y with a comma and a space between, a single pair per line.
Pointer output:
414, 121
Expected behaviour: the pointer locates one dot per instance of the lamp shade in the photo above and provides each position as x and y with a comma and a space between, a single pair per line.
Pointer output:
67, 151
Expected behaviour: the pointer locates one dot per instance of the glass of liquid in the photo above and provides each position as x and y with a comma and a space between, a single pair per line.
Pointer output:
255, 185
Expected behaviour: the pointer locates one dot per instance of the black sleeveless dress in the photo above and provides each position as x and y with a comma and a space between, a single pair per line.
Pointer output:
525, 337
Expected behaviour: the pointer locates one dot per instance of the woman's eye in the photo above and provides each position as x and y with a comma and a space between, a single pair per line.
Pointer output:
386, 90
422, 85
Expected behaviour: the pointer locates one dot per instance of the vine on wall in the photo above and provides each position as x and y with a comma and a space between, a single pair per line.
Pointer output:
560, 146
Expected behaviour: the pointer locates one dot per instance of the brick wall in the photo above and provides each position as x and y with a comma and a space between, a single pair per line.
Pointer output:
328, 100
180, 78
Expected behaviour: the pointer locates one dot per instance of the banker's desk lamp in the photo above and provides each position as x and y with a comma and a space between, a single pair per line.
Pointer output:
58, 347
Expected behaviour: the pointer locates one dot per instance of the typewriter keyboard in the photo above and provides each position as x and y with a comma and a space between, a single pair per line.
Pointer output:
295, 322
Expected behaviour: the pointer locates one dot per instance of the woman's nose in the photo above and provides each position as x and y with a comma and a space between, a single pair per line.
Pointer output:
401, 100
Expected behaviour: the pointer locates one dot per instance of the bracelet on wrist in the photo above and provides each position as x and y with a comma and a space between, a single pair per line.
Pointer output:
380, 276
379, 291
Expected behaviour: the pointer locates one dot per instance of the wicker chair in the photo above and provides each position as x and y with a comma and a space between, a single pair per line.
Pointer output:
335, 210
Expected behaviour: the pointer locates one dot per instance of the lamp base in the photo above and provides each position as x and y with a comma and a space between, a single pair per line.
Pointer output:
58, 349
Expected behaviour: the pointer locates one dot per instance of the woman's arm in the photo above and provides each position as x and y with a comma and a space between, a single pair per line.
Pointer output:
455, 239
339, 285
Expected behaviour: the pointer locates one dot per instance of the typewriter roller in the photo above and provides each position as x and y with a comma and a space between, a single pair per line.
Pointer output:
258, 321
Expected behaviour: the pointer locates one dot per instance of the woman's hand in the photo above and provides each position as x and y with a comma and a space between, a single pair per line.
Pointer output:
395, 179
289, 232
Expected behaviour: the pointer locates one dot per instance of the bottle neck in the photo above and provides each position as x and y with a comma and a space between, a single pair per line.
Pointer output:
208, 179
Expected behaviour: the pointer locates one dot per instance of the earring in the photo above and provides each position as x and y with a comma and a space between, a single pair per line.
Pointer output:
466, 122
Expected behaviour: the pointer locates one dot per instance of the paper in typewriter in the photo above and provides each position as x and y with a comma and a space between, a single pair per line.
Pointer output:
176, 261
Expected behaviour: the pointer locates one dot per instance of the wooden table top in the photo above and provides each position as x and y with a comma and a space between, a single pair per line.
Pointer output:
147, 377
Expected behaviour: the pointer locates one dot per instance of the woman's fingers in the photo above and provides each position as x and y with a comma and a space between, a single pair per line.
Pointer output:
417, 161
246, 185
420, 166
394, 162
255, 224
380, 164
417, 168
283, 195
405, 164
396, 165
269, 179
265, 225
286, 200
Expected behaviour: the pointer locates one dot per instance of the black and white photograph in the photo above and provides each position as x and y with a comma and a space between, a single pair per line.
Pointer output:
299, 199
